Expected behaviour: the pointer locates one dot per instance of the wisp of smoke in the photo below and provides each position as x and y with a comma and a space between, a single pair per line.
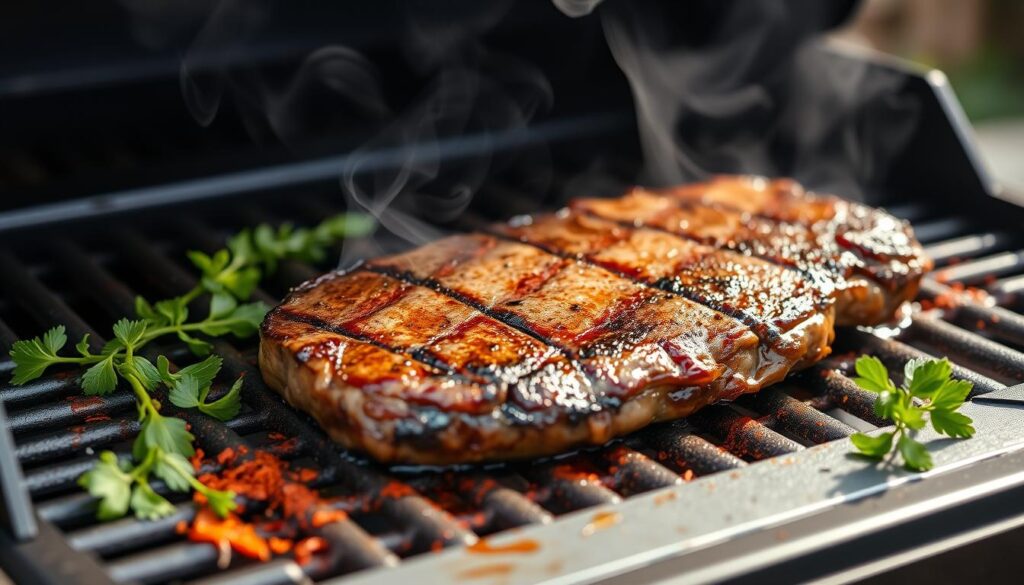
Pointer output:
744, 87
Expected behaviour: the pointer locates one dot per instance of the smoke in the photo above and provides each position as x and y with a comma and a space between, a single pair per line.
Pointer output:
401, 174
745, 87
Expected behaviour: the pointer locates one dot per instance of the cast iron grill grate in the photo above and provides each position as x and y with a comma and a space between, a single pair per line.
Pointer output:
87, 282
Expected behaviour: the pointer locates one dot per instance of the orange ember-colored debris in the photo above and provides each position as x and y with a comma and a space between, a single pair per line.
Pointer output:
523, 545
957, 295
284, 509
307, 547
279, 546
229, 533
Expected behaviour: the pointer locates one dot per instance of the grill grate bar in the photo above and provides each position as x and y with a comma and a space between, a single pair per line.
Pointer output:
675, 442
741, 434
968, 246
58, 385
797, 418
995, 321
987, 355
981, 269
75, 409
895, 354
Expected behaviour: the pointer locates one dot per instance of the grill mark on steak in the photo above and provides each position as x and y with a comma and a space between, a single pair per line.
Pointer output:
592, 315
768, 298
787, 245
884, 247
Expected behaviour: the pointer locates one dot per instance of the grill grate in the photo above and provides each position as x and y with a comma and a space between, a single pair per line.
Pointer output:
87, 282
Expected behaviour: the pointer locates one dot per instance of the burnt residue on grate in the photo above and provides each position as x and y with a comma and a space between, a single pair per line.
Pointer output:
403, 512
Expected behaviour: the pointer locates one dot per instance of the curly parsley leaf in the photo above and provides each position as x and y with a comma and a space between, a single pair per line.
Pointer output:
927, 394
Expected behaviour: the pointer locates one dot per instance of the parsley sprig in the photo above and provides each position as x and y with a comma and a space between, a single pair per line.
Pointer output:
228, 277
927, 394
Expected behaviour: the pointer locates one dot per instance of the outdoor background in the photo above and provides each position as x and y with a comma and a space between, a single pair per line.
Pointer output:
979, 44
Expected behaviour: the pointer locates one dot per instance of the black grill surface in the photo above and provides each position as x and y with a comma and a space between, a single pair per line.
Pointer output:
86, 279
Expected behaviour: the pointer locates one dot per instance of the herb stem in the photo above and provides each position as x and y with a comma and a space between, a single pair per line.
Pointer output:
142, 395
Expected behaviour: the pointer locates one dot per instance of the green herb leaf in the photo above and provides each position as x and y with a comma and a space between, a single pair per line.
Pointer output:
100, 379
910, 416
197, 346
148, 504
82, 347
145, 311
169, 434
220, 502
129, 332
928, 376
32, 356
108, 482
172, 468
227, 406
163, 366
951, 395
872, 375
927, 393
172, 311
875, 447
185, 391
915, 456
146, 372
204, 371
952, 424
221, 305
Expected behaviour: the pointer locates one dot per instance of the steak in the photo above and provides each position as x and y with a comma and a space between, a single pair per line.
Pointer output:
557, 331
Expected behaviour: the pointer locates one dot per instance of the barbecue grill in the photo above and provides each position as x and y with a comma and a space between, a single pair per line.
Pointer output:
760, 489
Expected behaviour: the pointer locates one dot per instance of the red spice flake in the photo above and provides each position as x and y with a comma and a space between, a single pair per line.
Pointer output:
279, 546
276, 436
289, 446
325, 516
307, 547
226, 456
307, 475
573, 474
980, 324
97, 418
395, 490
688, 475
197, 459
228, 534
181, 527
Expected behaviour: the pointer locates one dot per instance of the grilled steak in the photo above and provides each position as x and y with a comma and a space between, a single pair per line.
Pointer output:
562, 330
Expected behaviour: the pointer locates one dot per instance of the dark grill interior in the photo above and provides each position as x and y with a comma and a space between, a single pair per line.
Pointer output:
88, 278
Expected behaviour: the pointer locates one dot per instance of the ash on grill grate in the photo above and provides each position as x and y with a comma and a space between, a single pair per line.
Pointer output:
407, 512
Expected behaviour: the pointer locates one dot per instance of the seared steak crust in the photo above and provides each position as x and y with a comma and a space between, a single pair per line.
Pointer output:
569, 329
